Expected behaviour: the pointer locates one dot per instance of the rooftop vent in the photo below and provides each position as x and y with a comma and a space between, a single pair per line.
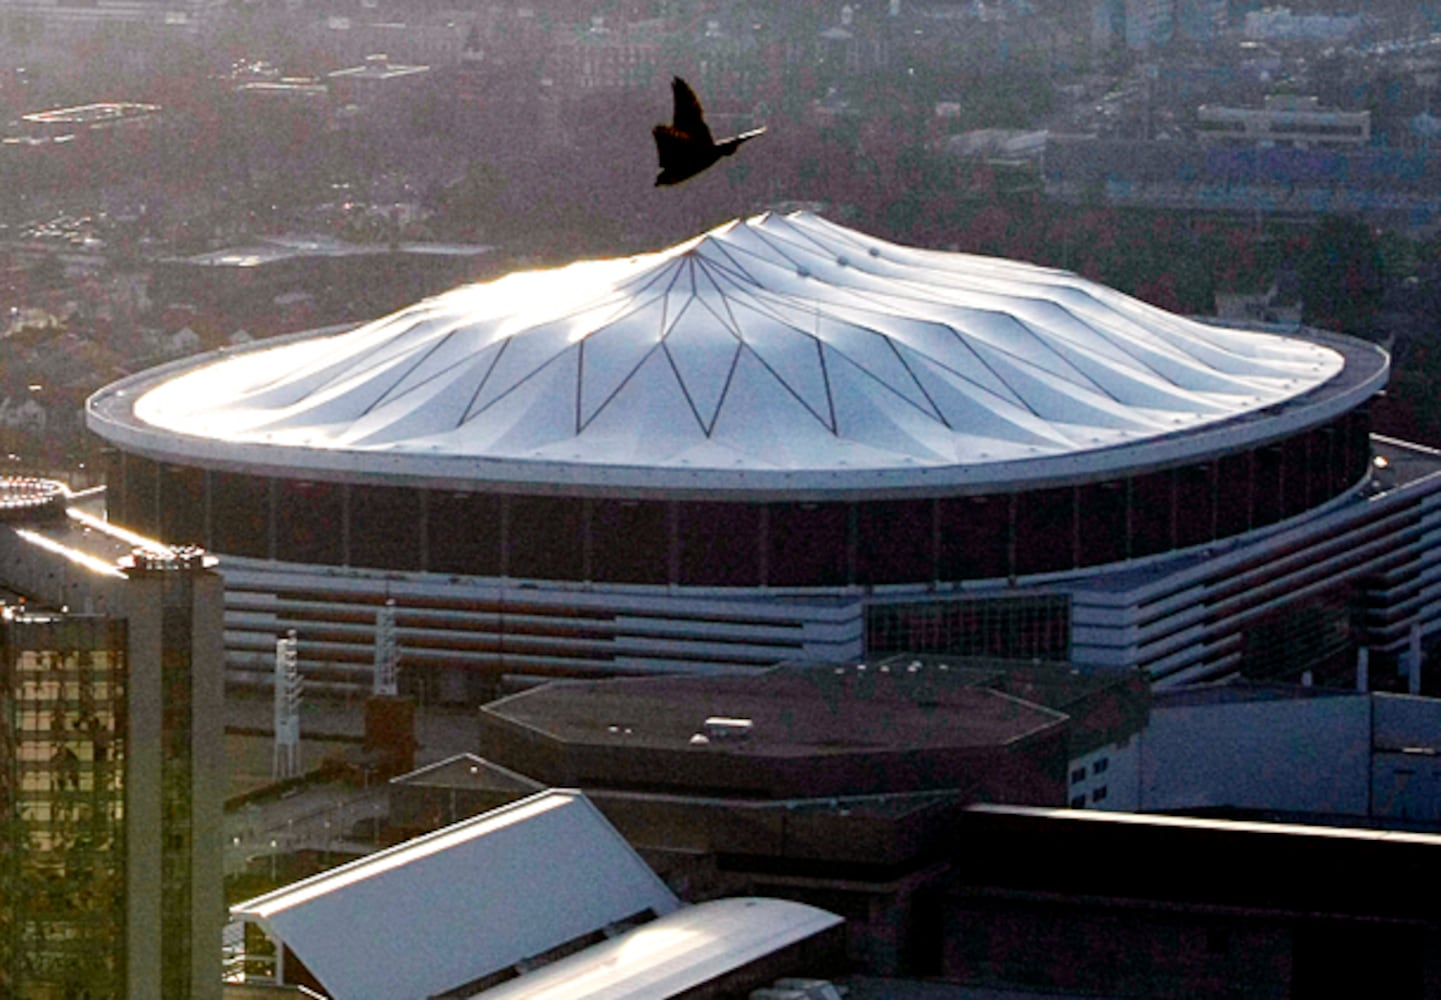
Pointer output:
723, 727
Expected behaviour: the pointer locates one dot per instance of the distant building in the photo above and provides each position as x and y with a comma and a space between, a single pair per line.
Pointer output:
90, 118
1388, 187
375, 81
1280, 24
1149, 23
601, 58
1201, 21
1285, 120
452, 790
1146, 25
273, 286
111, 767
55, 28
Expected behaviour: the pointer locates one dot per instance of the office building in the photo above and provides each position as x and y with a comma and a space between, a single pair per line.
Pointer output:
111, 767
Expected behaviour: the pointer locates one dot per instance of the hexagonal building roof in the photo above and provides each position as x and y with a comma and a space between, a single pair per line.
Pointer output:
769, 352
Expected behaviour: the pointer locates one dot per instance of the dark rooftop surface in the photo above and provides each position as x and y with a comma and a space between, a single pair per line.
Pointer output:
790, 712
1244, 691
466, 770
1052, 685
871, 988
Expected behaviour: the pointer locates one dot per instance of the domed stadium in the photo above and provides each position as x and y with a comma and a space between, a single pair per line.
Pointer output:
782, 439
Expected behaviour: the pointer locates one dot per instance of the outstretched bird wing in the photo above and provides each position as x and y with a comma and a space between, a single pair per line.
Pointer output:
688, 117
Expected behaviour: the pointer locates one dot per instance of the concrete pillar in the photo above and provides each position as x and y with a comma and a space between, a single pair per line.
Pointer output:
1413, 660
1363, 669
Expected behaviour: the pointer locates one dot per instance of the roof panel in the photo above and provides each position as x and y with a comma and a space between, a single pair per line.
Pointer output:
674, 955
703, 361
792, 355
611, 354
464, 902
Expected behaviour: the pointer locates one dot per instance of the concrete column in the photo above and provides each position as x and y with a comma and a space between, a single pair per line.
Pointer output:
1413, 660
1363, 669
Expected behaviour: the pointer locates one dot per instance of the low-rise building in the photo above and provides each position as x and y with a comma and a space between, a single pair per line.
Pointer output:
1285, 120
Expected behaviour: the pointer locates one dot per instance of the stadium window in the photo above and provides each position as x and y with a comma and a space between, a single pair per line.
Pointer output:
1037, 627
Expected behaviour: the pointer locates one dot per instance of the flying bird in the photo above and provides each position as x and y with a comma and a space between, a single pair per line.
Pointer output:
685, 146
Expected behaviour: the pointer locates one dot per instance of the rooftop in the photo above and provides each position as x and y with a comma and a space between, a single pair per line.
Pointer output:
286, 248
773, 353
91, 114
466, 770
671, 956
790, 713
379, 67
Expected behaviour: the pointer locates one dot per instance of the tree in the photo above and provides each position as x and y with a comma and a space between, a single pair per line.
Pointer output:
1340, 273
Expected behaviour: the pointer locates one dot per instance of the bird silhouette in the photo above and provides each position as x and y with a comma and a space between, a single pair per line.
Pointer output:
685, 146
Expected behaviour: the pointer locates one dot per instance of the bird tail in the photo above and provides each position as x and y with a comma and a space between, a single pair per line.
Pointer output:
729, 146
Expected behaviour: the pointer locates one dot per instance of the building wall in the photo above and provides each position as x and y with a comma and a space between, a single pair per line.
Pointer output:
1271, 603
735, 543
64, 746
589, 587
1297, 594
461, 637
1406, 758
1108, 777
174, 771
175, 782
1364, 755
1285, 121
1287, 754
1245, 605
1115, 950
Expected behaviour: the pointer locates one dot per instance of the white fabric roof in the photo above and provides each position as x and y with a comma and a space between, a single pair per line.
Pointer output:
676, 953
451, 907
775, 344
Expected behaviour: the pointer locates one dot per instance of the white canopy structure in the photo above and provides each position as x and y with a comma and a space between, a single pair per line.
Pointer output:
675, 955
764, 350
463, 903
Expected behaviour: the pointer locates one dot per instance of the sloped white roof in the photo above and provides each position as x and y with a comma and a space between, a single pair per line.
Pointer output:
446, 909
673, 955
764, 350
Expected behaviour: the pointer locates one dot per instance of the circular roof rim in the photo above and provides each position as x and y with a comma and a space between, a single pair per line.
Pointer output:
109, 414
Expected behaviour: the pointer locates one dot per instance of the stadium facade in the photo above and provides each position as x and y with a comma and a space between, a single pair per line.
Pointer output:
784, 439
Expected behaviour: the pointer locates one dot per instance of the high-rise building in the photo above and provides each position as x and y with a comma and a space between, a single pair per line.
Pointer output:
111, 768
62, 805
